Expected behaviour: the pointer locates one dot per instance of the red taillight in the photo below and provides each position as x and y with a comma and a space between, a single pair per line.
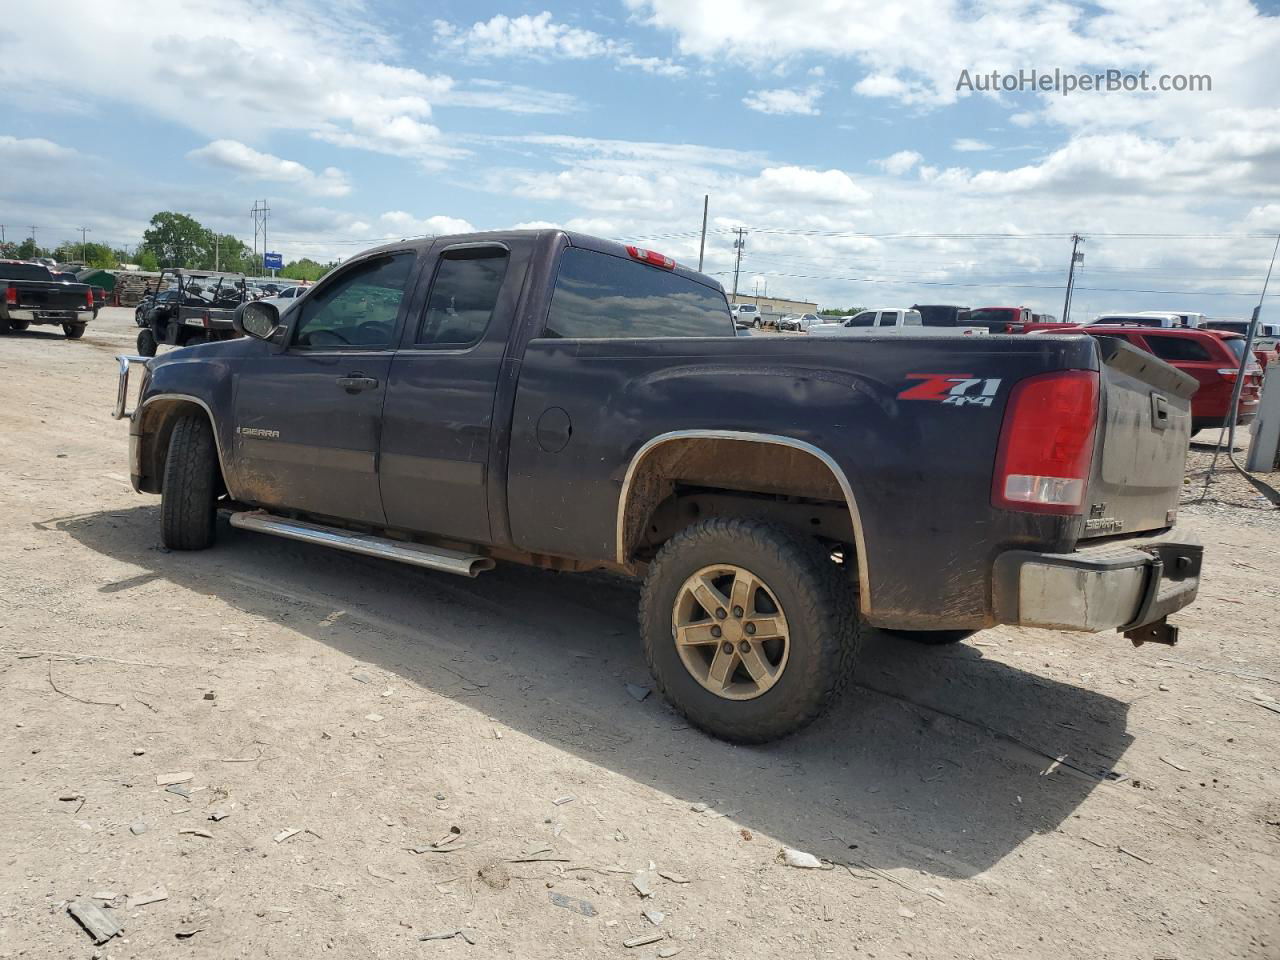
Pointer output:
88, 299
11, 295
1046, 443
205, 318
651, 257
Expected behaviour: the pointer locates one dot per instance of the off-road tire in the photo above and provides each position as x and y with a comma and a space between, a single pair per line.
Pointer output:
5, 324
189, 494
73, 331
147, 345
932, 638
817, 600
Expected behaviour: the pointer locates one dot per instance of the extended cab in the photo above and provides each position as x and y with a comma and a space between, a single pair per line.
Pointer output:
548, 398
29, 294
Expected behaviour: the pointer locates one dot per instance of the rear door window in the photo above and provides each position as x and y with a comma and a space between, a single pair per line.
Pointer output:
463, 295
1175, 349
889, 318
598, 295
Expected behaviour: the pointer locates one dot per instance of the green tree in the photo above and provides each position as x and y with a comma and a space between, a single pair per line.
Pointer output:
178, 240
146, 260
839, 312
93, 254
304, 269
27, 250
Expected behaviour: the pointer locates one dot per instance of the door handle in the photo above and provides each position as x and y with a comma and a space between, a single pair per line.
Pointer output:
357, 382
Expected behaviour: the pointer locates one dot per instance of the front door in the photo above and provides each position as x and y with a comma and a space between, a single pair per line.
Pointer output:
440, 398
308, 417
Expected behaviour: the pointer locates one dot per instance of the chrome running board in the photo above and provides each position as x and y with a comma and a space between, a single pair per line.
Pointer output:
419, 555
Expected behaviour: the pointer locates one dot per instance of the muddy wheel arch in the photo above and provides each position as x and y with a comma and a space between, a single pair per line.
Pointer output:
739, 466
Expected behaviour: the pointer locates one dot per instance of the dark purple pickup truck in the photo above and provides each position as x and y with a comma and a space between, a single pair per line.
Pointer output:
29, 294
546, 398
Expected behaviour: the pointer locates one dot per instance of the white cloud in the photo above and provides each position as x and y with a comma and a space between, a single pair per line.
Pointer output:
243, 70
803, 102
1024, 118
16, 150
250, 164
407, 225
901, 162
539, 37
969, 145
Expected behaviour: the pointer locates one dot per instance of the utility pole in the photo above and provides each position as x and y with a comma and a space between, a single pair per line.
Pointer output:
738, 244
83, 242
260, 212
702, 246
217, 255
33, 239
1076, 240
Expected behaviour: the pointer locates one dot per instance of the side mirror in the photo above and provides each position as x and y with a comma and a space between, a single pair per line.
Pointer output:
256, 319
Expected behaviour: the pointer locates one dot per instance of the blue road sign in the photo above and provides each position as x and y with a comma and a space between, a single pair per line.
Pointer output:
272, 261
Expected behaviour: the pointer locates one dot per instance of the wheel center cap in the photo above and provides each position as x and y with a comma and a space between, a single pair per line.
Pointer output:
732, 630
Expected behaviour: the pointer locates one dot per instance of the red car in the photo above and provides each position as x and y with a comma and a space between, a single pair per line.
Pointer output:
1211, 356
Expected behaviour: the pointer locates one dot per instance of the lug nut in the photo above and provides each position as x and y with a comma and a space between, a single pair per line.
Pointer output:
715, 631
750, 629
728, 647
737, 611
744, 646
720, 614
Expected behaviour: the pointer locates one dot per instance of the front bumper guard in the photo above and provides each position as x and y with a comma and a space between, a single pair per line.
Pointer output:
125, 363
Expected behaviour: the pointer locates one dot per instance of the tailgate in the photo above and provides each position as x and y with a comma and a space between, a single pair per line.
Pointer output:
49, 296
1145, 426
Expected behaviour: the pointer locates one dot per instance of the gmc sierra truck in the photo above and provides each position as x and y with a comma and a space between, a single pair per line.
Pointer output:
30, 295
546, 398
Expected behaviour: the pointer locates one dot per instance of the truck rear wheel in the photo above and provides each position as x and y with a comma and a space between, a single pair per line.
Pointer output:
189, 494
73, 331
750, 629
19, 324
932, 638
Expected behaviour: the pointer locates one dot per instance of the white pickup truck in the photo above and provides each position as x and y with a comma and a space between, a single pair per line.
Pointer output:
884, 320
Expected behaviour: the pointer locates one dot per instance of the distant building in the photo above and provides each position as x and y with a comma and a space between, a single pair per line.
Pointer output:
777, 305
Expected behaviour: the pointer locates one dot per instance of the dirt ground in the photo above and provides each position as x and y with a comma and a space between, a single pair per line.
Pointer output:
1025, 794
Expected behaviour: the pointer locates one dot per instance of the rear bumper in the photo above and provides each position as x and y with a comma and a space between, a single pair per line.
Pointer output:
49, 316
1118, 585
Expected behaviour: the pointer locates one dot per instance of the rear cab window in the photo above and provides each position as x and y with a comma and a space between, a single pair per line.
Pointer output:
24, 271
600, 296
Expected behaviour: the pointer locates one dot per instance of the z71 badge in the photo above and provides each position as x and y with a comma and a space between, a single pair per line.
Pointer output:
957, 389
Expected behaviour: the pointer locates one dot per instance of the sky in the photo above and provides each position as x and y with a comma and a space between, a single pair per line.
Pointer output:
841, 134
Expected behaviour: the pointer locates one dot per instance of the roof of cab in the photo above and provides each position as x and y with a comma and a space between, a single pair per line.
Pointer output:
582, 240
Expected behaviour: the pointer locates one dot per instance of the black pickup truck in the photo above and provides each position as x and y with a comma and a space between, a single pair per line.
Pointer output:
547, 398
29, 294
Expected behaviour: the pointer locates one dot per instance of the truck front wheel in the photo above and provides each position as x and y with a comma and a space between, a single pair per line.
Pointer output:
750, 629
189, 495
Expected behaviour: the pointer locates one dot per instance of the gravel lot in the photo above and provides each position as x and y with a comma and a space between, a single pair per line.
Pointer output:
1024, 794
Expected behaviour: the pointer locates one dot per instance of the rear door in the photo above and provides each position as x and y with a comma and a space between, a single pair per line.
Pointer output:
1145, 426
307, 418
438, 420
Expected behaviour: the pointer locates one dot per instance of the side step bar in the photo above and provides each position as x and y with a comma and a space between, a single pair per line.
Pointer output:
433, 558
